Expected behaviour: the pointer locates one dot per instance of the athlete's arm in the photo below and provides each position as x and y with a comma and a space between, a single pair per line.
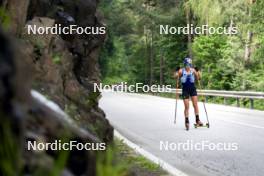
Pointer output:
179, 73
197, 73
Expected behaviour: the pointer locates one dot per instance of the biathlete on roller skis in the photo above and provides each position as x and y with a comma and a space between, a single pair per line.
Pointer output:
187, 76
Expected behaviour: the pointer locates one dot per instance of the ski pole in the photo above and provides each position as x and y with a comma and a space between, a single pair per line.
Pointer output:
176, 103
203, 97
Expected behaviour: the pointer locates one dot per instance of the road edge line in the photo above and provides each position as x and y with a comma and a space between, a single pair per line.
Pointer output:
164, 165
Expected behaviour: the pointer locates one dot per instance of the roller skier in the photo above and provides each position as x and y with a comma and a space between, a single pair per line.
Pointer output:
187, 76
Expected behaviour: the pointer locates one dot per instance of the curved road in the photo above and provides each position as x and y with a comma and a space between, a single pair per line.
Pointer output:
148, 122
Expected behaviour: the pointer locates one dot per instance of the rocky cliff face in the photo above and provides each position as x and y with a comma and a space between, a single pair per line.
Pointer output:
63, 68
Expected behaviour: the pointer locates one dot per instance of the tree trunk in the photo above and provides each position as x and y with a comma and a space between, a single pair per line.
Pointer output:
151, 60
188, 20
147, 56
161, 69
248, 49
248, 46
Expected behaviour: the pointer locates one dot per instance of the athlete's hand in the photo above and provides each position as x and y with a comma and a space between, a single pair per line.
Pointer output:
197, 69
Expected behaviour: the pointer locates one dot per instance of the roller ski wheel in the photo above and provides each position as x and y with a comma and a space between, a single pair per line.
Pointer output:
207, 125
195, 125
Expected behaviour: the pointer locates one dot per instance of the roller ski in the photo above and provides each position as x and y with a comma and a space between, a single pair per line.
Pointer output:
200, 124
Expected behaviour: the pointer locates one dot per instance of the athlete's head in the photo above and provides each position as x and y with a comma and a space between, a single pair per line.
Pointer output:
187, 62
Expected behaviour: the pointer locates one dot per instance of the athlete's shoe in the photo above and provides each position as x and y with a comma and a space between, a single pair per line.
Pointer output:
199, 123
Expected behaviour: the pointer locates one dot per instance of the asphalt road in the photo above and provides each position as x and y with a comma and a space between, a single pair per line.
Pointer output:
148, 121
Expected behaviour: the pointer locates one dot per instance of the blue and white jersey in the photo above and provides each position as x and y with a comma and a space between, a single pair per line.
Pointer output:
187, 79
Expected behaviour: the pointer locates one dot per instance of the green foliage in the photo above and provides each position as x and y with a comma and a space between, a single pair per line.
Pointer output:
105, 165
208, 55
208, 11
133, 24
56, 59
116, 52
10, 160
146, 164
60, 162
4, 18
133, 161
126, 52
120, 160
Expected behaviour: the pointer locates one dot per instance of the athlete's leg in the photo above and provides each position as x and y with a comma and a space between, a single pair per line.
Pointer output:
186, 107
186, 112
195, 105
196, 109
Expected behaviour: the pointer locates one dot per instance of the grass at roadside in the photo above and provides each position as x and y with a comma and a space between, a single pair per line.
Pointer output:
135, 164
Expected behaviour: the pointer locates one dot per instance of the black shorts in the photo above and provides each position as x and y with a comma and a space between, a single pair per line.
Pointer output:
188, 92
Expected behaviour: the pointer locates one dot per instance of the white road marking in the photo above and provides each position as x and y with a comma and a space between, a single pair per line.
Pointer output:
243, 124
